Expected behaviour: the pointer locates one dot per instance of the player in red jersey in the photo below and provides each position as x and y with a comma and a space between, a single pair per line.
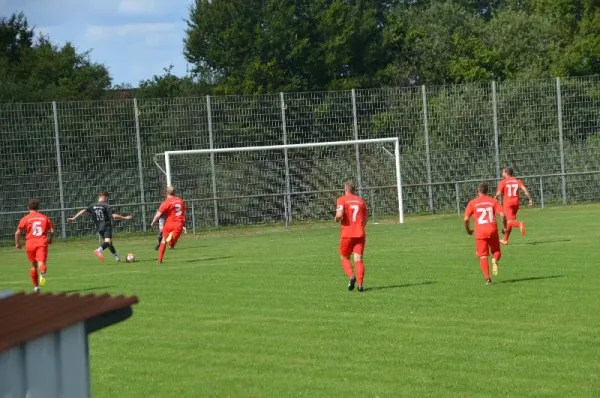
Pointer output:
352, 213
174, 210
484, 209
39, 234
509, 190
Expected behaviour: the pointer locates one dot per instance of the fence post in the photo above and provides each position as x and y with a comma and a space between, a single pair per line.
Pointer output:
193, 219
212, 162
541, 192
63, 220
561, 140
355, 118
427, 153
287, 200
140, 166
457, 190
496, 133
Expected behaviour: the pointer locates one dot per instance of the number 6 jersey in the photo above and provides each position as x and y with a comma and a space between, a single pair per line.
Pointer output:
37, 226
484, 210
355, 215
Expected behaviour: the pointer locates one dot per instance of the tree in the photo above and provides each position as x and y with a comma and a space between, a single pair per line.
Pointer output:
273, 45
36, 69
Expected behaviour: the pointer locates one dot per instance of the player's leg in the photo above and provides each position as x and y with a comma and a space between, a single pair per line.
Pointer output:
103, 246
482, 251
41, 259
159, 238
516, 223
167, 231
359, 249
33, 271
175, 235
494, 245
510, 217
345, 251
108, 239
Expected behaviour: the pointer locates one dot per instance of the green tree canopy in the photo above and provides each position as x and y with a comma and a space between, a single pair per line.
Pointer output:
33, 68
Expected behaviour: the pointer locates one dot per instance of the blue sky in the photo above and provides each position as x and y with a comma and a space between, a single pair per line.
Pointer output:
134, 38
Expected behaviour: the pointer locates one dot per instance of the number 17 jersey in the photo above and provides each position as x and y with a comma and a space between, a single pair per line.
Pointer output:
173, 208
484, 210
355, 215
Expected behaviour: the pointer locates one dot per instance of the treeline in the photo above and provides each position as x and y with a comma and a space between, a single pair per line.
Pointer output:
259, 46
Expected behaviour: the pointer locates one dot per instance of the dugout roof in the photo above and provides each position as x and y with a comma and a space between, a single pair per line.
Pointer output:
25, 317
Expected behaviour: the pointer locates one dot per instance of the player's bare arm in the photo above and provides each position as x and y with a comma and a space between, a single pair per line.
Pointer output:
50, 236
339, 213
156, 218
120, 217
76, 216
526, 193
468, 225
18, 238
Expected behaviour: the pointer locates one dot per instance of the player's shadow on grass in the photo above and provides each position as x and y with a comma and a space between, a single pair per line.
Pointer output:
374, 288
543, 242
88, 289
197, 260
532, 278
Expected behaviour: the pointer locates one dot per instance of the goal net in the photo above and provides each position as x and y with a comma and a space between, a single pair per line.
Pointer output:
285, 183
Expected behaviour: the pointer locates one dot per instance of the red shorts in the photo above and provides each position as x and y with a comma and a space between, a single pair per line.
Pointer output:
484, 246
510, 211
175, 229
352, 245
39, 254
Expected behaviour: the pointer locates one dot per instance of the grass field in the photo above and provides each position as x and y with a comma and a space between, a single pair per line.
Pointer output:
266, 313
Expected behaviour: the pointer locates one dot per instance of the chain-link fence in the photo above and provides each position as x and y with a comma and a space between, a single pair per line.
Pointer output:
451, 137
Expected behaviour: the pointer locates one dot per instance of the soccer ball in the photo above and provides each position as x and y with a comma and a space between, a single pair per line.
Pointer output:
130, 258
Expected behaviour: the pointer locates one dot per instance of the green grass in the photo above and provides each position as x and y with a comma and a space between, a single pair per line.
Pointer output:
266, 313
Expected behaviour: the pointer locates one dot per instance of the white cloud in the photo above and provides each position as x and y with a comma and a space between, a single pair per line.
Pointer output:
103, 32
138, 6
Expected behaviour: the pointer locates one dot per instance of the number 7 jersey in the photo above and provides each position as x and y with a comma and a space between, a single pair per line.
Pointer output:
173, 208
484, 210
355, 216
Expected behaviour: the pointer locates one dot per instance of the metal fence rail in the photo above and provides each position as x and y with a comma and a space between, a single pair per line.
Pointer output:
450, 136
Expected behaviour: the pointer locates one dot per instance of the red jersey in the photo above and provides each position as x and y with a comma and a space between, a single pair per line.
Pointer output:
355, 216
36, 226
484, 209
173, 208
509, 188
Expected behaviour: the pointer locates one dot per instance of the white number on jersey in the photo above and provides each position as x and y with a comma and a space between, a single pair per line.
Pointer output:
36, 228
355, 209
178, 209
486, 215
99, 214
512, 189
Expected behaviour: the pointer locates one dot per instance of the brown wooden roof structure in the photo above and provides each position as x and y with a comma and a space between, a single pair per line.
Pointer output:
24, 317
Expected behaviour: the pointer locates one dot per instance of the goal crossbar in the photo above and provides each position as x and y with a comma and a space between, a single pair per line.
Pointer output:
285, 147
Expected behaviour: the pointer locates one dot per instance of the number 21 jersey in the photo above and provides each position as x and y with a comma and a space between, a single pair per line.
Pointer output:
174, 210
484, 209
355, 214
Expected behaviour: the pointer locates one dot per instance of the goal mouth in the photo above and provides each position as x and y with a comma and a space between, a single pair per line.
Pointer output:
275, 183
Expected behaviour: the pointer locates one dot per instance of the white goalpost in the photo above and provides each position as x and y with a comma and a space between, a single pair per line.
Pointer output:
297, 177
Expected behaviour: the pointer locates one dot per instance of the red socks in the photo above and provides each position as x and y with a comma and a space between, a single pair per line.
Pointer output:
347, 266
360, 272
161, 251
43, 269
497, 255
485, 267
34, 276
